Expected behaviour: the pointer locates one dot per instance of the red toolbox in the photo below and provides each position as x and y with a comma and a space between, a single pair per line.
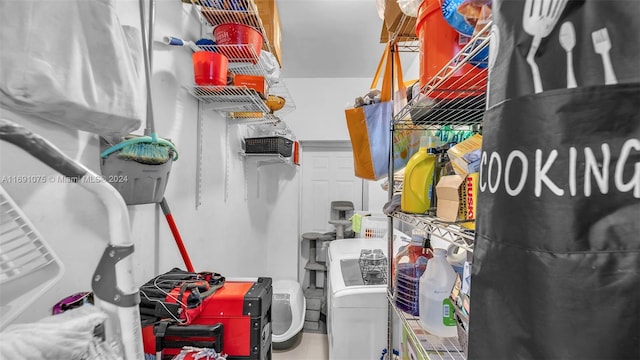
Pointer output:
244, 309
169, 338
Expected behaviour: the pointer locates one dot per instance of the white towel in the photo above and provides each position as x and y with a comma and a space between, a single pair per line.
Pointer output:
65, 336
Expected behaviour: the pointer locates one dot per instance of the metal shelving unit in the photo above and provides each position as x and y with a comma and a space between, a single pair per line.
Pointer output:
448, 99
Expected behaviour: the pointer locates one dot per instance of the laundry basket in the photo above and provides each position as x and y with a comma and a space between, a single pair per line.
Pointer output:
373, 227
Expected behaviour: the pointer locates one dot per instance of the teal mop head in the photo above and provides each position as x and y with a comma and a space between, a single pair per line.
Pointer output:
149, 150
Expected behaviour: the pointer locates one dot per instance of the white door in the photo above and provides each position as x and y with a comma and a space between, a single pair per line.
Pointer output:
327, 175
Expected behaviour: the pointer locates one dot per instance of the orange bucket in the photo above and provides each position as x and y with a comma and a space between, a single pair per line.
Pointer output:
439, 43
210, 68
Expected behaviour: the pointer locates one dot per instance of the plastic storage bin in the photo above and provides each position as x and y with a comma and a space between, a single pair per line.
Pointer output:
373, 227
137, 183
269, 145
407, 289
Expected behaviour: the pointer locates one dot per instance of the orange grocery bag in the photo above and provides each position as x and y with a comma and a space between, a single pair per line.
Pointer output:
370, 125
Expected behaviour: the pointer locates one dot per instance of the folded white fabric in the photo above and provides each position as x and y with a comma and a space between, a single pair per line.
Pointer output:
65, 336
68, 61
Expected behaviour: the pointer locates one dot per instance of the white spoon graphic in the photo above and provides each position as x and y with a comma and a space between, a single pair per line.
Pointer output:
568, 42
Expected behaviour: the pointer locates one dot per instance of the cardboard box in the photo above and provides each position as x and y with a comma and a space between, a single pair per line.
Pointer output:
448, 195
268, 12
468, 200
464, 153
457, 198
395, 22
255, 82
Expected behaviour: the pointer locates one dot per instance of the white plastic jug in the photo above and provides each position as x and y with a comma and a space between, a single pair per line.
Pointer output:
435, 308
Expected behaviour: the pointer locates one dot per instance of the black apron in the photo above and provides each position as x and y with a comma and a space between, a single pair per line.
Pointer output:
556, 267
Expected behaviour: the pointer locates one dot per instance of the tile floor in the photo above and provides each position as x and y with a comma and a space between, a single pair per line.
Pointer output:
310, 346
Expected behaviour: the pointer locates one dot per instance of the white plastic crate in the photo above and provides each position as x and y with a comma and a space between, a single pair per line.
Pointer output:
373, 227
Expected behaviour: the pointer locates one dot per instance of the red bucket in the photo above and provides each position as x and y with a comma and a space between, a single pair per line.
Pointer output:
238, 34
439, 43
210, 68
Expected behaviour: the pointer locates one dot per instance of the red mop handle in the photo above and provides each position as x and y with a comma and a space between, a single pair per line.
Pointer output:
176, 235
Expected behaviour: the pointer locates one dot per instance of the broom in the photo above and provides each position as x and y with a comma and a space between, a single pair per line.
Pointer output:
147, 149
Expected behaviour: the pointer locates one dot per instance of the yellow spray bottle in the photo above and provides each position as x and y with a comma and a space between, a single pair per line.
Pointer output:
418, 178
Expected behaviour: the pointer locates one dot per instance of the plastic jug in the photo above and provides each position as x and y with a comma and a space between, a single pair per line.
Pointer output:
418, 180
435, 308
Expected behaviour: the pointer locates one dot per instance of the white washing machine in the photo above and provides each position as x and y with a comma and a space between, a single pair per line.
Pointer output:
357, 313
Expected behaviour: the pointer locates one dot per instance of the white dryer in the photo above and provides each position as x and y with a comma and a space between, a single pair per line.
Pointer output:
357, 313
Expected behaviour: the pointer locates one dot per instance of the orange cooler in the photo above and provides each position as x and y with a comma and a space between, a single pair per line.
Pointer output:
439, 44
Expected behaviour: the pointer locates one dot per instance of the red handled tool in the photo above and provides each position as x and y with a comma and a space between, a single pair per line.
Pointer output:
176, 235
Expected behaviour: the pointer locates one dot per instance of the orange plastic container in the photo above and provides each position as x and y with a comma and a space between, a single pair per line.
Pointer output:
210, 68
439, 44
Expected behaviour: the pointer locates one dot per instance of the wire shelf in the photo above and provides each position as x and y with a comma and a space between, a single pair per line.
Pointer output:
231, 98
251, 118
452, 96
429, 347
244, 12
448, 231
268, 158
280, 89
242, 59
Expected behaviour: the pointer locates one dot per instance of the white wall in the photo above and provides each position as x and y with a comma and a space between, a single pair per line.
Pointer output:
320, 105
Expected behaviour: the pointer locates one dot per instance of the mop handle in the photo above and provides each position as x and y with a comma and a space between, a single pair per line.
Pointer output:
176, 235
146, 47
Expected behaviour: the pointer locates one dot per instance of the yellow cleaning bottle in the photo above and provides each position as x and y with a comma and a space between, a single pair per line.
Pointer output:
418, 179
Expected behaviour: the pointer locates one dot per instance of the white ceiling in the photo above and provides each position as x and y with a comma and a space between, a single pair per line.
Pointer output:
329, 38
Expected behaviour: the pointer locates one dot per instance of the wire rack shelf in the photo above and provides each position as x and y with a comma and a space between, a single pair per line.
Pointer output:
456, 95
244, 12
449, 231
428, 347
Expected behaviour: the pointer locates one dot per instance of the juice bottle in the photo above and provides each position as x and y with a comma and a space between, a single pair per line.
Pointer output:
417, 187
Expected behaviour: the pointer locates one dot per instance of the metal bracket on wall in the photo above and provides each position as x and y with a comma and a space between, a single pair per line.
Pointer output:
104, 282
199, 140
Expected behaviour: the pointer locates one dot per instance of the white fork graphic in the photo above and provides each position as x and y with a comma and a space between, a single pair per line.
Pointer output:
602, 45
538, 20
